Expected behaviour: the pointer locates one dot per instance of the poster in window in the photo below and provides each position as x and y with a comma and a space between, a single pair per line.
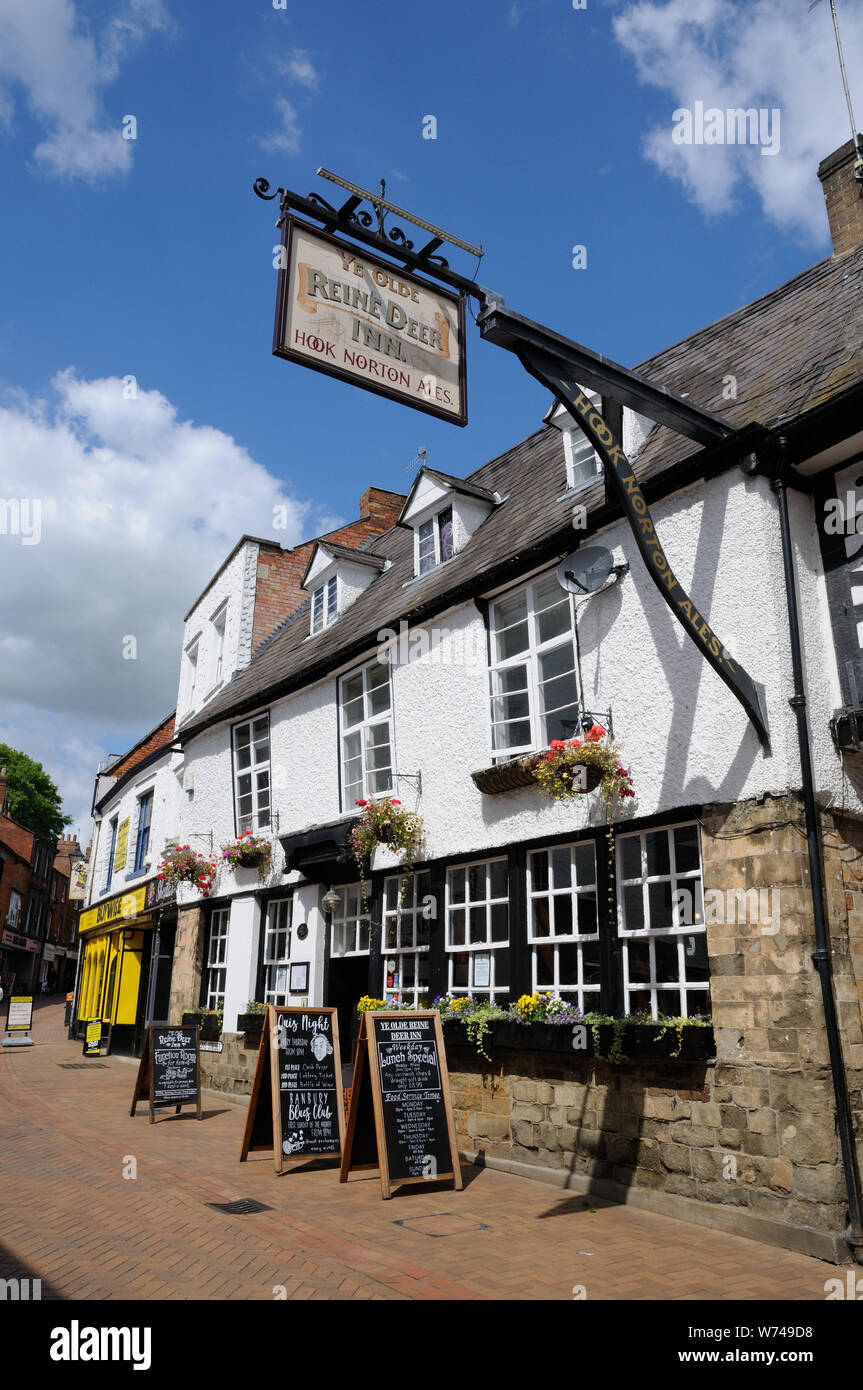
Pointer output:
300, 977
482, 970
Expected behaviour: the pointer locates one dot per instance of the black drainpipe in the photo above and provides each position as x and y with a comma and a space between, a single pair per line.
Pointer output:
821, 955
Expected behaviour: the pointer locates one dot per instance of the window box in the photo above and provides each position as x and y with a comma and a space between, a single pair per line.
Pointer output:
507, 777
639, 1042
209, 1024
252, 1025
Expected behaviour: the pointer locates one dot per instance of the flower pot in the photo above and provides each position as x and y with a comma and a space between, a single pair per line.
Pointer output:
211, 1029
650, 1042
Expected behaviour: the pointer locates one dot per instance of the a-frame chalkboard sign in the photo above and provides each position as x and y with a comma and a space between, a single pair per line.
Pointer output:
296, 1108
170, 1070
400, 1117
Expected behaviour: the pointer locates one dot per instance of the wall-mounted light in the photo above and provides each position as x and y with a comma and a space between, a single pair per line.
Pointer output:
331, 899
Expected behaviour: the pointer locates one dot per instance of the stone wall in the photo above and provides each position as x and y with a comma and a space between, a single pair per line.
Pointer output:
748, 1143
188, 961
232, 1070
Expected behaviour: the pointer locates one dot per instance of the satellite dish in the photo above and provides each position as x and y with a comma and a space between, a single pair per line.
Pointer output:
585, 570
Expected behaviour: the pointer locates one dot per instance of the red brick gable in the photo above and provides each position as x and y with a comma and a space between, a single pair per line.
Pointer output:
277, 591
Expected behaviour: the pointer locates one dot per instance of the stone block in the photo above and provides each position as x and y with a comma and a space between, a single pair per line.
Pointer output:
761, 1144
823, 1183
546, 1137
522, 1111
522, 1133
809, 1140
675, 1158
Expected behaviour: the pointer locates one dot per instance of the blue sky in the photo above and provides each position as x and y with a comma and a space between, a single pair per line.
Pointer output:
151, 257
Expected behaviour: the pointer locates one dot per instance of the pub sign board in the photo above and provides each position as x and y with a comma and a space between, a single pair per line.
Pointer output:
170, 1069
297, 1106
400, 1078
353, 316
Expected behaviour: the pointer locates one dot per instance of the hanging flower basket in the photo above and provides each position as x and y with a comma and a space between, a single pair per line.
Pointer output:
562, 771
249, 851
386, 822
184, 865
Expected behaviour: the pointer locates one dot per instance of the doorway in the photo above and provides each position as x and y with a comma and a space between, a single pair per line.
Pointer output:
348, 982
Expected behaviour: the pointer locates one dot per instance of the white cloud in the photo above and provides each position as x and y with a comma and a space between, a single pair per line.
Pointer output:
299, 68
765, 54
139, 508
288, 138
62, 69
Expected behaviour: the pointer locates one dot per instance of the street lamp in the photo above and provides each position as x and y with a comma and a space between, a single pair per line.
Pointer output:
331, 899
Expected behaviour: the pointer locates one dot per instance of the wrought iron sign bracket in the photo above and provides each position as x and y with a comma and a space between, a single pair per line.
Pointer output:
558, 375
369, 228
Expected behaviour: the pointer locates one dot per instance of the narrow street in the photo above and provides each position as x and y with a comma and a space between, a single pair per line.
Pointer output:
71, 1218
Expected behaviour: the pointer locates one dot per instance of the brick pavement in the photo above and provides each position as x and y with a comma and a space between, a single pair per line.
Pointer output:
70, 1218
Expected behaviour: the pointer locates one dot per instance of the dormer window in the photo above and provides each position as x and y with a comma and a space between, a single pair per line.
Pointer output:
434, 542
443, 512
325, 604
582, 461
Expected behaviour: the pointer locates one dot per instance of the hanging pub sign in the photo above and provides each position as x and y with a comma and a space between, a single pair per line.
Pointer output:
296, 1108
400, 1117
353, 316
170, 1069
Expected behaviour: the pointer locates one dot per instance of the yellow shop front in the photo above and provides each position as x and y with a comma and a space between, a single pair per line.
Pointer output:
116, 937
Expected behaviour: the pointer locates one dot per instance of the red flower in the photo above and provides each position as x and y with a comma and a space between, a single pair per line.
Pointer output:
575, 743
595, 733
396, 803
556, 743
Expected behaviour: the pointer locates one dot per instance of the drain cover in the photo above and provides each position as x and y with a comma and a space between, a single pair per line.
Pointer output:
244, 1206
444, 1223
82, 1066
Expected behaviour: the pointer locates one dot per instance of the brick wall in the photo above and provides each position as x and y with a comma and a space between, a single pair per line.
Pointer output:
161, 736
279, 573
843, 195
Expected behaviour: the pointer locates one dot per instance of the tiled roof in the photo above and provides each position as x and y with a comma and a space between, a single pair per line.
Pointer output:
789, 351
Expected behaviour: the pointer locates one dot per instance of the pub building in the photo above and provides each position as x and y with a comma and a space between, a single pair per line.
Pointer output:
426, 661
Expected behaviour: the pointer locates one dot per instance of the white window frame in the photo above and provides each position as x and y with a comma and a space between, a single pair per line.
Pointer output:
578, 991
218, 623
277, 949
351, 928
192, 658
529, 657
693, 994
405, 933
435, 522
488, 946
260, 817
325, 605
217, 956
577, 454
363, 728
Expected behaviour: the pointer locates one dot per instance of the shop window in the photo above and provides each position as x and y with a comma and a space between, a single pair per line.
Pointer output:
252, 774
350, 923
534, 688
405, 939
365, 704
217, 958
660, 913
477, 930
563, 923
277, 947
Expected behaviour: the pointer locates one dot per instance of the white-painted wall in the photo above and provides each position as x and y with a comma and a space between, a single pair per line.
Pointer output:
236, 586
165, 820
685, 738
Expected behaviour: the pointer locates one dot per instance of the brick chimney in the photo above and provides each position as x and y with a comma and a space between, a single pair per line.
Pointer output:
841, 175
277, 589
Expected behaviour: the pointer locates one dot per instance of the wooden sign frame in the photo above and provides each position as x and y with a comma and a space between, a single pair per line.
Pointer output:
144, 1080
266, 1096
366, 1057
